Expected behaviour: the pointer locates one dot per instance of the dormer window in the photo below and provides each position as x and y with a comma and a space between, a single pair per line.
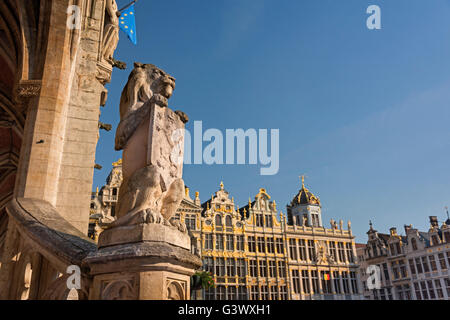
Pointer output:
414, 244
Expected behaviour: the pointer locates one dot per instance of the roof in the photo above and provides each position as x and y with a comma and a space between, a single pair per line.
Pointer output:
305, 197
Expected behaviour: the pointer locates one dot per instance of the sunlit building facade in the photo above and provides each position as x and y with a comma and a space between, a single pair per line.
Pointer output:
258, 253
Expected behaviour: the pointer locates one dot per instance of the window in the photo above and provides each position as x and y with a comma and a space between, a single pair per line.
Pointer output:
350, 256
231, 267
448, 257
254, 292
437, 284
400, 292
232, 293
386, 272
218, 223
208, 264
442, 263
345, 282
241, 269
447, 285
296, 281
341, 252
269, 222
274, 292
251, 244
293, 249
315, 281
411, 266
419, 266
253, 268
220, 267
208, 241
302, 249
315, 220
403, 271
230, 242
423, 286
354, 282
392, 249
283, 293
270, 245
229, 223
417, 290
259, 220
281, 269
305, 281
209, 294
262, 268
190, 221
433, 263
431, 292
397, 246
220, 293
242, 293
311, 250
280, 245
426, 267
389, 292
272, 269
382, 294
261, 246
414, 244
240, 243
219, 242
407, 292
333, 251
264, 293
337, 282
395, 270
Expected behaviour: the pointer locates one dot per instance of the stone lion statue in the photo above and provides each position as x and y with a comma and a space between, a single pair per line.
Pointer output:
152, 187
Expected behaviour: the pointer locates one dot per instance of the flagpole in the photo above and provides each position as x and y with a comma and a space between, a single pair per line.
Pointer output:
128, 5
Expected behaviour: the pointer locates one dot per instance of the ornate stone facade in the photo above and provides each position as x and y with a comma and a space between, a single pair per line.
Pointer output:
256, 252
414, 266
51, 88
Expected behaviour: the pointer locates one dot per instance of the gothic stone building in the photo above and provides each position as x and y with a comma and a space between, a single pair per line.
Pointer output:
415, 266
255, 253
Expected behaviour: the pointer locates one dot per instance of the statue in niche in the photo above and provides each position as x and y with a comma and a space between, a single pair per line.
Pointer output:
152, 139
111, 34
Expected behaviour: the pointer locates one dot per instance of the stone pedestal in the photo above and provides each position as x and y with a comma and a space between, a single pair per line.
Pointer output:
142, 262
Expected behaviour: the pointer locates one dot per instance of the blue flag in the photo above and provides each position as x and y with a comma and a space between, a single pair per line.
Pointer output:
128, 23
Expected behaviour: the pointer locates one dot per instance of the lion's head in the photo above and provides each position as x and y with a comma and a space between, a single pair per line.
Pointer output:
145, 81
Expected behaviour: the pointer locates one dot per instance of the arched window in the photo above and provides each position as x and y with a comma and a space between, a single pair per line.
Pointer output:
414, 244
218, 220
228, 221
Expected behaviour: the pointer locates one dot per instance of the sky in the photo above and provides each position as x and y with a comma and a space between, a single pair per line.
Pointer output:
364, 114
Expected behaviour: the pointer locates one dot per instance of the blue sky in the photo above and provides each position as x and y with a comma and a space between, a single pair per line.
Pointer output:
363, 113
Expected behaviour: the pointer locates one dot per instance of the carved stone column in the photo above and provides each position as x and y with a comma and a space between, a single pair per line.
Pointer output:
142, 262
